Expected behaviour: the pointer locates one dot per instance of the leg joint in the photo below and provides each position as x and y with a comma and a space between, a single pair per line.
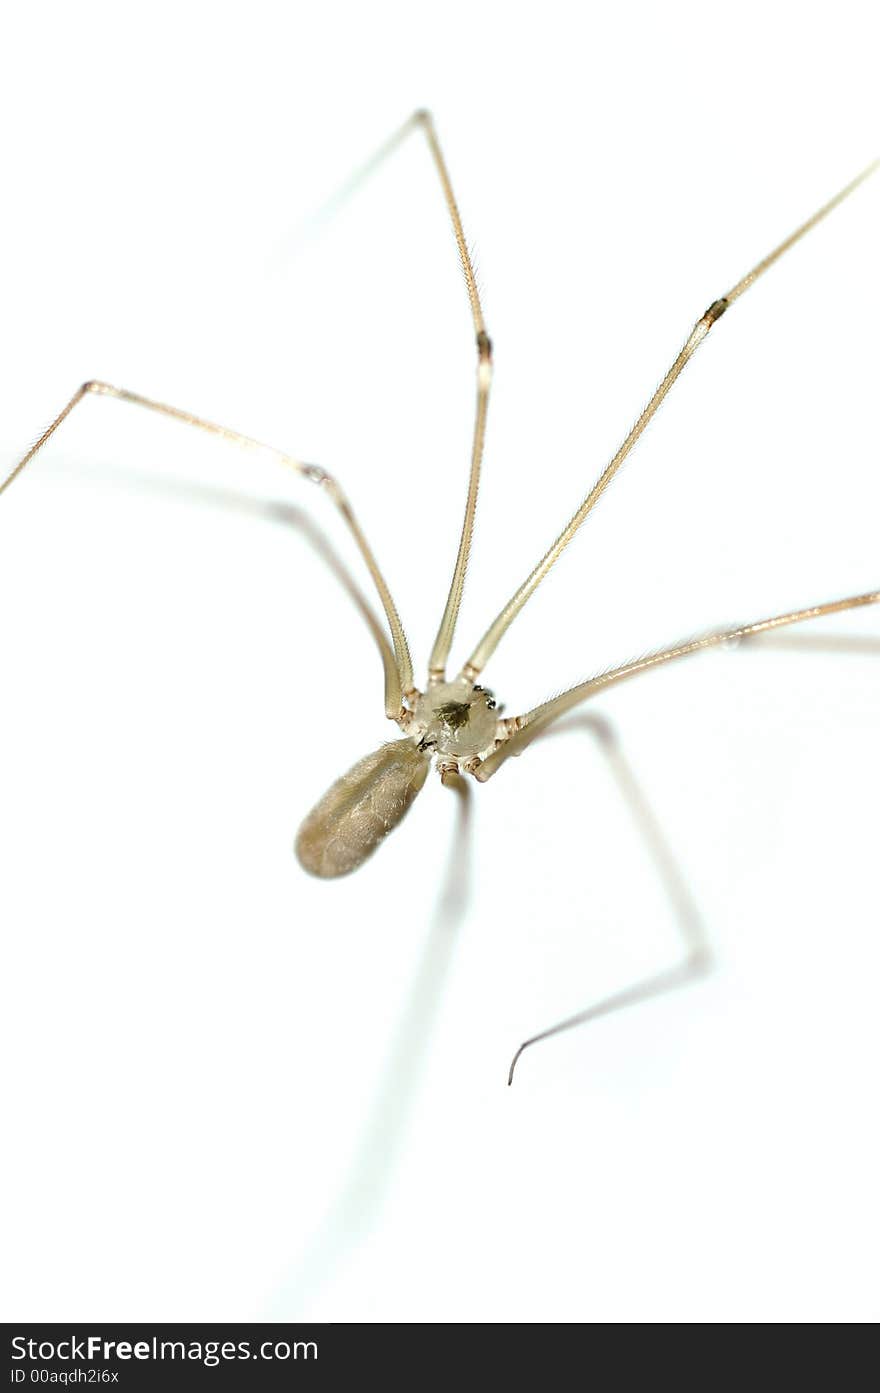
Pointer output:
484, 360
715, 311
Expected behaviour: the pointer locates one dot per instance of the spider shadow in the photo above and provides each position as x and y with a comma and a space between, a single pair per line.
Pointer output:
281, 513
354, 1213
833, 644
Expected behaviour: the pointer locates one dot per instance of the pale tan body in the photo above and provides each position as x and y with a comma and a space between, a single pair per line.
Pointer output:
454, 720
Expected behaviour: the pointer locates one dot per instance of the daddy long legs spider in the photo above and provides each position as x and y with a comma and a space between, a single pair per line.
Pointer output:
453, 719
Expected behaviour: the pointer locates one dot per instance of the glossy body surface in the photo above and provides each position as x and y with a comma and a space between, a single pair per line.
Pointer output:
457, 720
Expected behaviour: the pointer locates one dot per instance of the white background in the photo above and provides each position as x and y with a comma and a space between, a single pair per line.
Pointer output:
222, 1099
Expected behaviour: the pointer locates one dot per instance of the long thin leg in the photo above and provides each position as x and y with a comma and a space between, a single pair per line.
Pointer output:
443, 641
422, 120
398, 680
493, 635
697, 958
526, 727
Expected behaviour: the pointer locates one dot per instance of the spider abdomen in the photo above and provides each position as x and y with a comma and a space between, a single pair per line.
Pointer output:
361, 808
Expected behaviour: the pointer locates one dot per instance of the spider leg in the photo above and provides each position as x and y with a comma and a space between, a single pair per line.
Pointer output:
424, 121
499, 626
446, 631
398, 672
526, 727
697, 959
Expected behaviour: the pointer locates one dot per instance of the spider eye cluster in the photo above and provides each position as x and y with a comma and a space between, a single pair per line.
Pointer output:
456, 720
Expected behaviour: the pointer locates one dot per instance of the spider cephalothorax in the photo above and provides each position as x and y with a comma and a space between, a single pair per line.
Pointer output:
456, 720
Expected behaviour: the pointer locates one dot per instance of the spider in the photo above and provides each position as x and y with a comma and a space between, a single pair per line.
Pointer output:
454, 721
